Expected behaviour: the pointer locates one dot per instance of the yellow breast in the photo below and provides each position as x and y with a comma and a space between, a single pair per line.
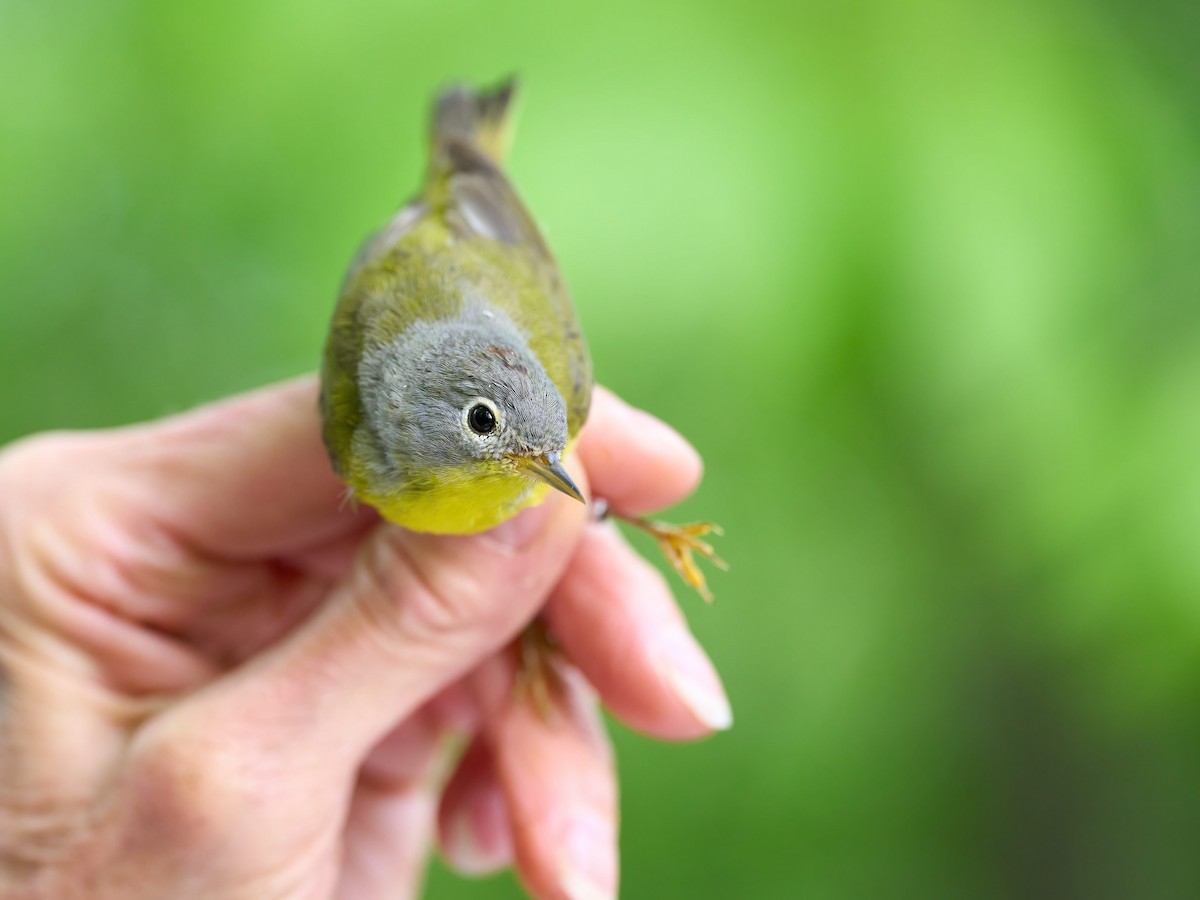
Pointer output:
455, 501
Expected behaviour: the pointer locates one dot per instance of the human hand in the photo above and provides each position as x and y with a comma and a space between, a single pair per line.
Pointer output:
222, 681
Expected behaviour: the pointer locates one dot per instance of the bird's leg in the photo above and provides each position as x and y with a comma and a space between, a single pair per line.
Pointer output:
539, 655
538, 676
678, 543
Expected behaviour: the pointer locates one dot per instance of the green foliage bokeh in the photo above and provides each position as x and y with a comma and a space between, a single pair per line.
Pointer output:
920, 279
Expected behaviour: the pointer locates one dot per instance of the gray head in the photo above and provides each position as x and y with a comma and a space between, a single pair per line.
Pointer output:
462, 391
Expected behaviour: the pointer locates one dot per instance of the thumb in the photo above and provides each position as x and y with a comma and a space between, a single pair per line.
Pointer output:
414, 614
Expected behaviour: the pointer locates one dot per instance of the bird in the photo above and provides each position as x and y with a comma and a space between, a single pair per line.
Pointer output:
456, 376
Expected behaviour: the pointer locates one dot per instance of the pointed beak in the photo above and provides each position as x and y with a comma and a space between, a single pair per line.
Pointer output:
548, 468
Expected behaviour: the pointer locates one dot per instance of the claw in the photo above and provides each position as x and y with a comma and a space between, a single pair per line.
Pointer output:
679, 542
538, 678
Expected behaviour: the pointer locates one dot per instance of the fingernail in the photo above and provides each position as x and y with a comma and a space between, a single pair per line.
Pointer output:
522, 529
691, 675
588, 866
479, 841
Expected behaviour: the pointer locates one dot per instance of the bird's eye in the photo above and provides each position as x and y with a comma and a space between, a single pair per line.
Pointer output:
481, 418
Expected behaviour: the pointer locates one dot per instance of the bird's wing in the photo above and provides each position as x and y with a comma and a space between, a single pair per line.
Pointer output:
476, 200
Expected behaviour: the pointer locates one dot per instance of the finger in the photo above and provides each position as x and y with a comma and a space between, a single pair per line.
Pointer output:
556, 772
636, 462
246, 477
414, 613
390, 825
193, 787
616, 619
387, 844
473, 826
398, 760
391, 821
61, 739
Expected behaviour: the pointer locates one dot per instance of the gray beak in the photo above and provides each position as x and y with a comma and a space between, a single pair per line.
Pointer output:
548, 468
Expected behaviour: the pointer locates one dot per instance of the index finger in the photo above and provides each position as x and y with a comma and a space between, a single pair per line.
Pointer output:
637, 462
247, 477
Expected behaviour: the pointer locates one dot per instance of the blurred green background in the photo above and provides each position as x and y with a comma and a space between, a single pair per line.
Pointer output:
921, 279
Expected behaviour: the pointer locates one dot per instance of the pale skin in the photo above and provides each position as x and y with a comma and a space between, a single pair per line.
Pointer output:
221, 680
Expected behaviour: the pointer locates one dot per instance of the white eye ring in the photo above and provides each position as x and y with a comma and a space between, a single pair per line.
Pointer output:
475, 418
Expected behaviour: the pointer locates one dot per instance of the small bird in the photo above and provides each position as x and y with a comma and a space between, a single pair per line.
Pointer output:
455, 375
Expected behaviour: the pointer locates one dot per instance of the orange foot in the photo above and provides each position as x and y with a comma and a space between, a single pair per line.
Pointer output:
538, 677
678, 543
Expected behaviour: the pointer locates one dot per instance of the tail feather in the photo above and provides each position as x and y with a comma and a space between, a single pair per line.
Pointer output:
479, 119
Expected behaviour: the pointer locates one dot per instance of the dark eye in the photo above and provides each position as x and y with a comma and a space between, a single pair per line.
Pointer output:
481, 419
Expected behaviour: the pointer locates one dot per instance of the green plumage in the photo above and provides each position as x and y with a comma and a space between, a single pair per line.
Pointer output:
465, 246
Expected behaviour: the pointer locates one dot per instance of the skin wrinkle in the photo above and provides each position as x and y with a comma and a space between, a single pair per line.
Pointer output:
77, 815
123, 564
113, 579
385, 556
28, 637
26, 666
461, 600
374, 581
45, 576
139, 564
57, 611
241, 632
206, 435
42, 834
429, 618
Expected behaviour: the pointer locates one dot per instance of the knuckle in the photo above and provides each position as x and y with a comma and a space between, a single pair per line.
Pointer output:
450, 607
59, 535
405, 605
32, 459
35, 478
190, 785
